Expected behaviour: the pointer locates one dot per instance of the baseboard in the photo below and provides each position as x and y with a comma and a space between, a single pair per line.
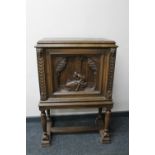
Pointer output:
81, 116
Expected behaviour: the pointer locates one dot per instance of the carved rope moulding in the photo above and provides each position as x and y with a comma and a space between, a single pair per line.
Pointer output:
41, 72
111, 72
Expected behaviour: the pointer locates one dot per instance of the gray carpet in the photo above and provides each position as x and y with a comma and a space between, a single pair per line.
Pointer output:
81, 143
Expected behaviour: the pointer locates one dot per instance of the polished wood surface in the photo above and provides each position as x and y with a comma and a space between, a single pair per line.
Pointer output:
75, 73
75, 41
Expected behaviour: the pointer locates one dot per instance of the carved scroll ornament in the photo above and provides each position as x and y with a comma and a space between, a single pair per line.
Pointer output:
60, 64
92, 64
93, 67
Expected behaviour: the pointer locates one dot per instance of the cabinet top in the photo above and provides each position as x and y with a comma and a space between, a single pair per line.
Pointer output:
75, 42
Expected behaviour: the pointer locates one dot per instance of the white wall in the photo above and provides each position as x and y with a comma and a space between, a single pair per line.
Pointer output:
78, 18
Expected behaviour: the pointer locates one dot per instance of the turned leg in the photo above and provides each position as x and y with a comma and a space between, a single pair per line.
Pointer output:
99, 116
105, 137
48, 114
45, 137
99, 113
49, 125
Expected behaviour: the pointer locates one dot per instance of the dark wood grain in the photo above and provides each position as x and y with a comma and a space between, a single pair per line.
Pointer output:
75, 73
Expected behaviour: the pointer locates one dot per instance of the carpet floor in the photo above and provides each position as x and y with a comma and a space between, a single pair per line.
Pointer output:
81, 143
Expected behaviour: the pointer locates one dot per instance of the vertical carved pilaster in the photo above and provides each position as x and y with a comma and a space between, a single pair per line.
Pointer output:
41, 73
112, 57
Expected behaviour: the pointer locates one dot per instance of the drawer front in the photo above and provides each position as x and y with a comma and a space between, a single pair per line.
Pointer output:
75, 71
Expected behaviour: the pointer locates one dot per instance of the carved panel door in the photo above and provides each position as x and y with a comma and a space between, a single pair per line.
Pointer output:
75, 71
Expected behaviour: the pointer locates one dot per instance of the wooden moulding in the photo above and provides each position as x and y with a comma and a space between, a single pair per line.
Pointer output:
44, 105
75, 42
76, 45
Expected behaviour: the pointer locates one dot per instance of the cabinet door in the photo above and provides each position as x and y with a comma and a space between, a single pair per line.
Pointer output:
76, 71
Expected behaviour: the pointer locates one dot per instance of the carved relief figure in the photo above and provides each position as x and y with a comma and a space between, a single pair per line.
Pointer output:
77, 82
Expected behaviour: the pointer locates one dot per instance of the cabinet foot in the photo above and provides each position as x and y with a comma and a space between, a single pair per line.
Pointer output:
105, 137
45, 140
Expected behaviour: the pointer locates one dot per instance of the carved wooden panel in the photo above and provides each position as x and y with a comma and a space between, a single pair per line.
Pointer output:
78, 73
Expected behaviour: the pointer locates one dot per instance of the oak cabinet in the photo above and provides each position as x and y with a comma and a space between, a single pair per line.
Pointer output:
75, 73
